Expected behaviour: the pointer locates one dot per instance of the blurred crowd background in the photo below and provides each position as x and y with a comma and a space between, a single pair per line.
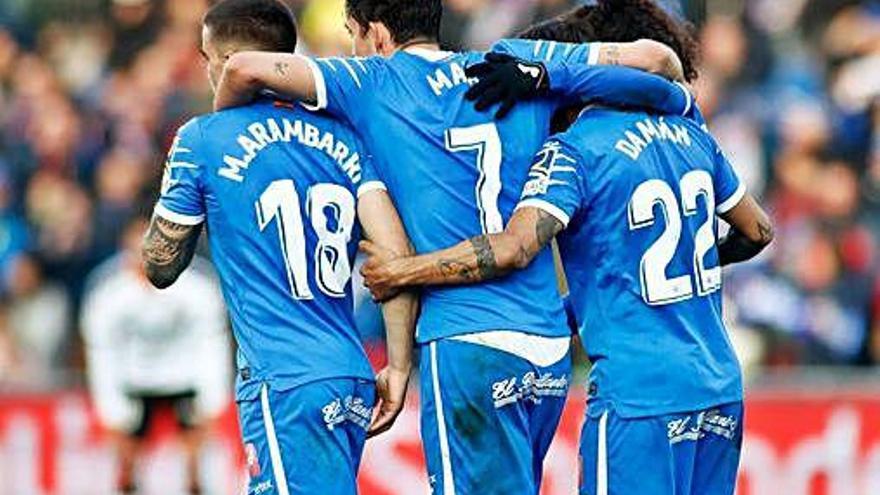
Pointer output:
92, 91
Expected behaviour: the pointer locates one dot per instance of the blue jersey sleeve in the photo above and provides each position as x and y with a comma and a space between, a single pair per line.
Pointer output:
371, 178
343, 86
729, 188
181, 200
555, 182
618, 86
549, 51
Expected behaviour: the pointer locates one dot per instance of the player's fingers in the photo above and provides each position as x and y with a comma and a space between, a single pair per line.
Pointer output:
385, 420
490, 97
367, 247
479, 88
497, 57
479, 70
506, 107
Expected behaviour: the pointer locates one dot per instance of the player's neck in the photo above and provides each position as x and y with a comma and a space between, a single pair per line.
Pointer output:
419, 44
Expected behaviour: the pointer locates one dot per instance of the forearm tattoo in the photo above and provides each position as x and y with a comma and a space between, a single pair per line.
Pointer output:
168, 249
486, 263
611, 54
546, 228
282, 69
456, 269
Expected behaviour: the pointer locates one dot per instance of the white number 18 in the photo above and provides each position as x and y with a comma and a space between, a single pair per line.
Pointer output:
332, 267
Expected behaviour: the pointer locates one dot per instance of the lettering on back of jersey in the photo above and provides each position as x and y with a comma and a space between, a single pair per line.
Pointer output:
259, 135
448, 77
648, 130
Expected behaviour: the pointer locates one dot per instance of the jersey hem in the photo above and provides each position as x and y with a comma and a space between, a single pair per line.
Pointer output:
425, 337
249, 391
625, 412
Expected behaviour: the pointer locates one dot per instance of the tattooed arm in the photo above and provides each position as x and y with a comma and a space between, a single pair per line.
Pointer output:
480, 258
247, 73
750, 232
647, 55
168, 249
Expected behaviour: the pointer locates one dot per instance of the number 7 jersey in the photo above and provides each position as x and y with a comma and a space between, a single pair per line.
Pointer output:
639, 195
455, 173
277, 187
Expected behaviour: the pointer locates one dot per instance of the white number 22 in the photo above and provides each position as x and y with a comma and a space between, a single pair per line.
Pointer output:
332, 268
657, 287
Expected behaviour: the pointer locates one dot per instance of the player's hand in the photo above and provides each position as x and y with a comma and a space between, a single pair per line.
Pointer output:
391, 385
506, 80
376, 271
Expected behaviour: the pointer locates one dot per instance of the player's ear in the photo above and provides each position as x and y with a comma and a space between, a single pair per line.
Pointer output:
383, 42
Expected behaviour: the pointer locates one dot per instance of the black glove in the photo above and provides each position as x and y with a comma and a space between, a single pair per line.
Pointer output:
507, 80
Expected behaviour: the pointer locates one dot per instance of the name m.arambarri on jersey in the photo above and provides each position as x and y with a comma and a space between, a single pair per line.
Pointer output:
271, 131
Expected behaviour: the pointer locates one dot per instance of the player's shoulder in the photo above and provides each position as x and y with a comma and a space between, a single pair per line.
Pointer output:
516, 47
358, 69
191, 130
593, 129
544, 50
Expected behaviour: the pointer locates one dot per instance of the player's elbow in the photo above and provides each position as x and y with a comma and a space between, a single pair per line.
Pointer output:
659, 59
509, 253
765, 234
160, 277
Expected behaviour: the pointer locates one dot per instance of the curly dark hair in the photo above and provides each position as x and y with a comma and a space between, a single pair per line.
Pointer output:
406, 20
622, 21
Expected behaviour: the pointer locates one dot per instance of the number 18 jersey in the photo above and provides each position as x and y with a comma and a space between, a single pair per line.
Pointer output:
277, 187
639, 195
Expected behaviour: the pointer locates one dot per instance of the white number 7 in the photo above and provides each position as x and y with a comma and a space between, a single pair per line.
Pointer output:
483, 139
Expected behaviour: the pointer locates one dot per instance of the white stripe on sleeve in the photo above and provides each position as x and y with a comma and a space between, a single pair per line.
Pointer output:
320, 86
178, 218
734, 199
595, 51
373, 185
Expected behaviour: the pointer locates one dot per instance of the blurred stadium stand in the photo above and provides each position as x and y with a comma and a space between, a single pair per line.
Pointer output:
91, 92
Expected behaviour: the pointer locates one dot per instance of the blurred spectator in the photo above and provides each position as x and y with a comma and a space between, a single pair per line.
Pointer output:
38, 317
151, 351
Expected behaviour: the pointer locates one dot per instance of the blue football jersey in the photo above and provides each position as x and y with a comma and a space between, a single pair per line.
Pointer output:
455, 173
640, 196
277, 187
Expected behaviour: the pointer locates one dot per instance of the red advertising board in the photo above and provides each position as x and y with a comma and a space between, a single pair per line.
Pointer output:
796, 444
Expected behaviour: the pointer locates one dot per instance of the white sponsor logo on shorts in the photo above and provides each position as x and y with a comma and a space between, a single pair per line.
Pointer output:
350, 408
695, 427
531, 387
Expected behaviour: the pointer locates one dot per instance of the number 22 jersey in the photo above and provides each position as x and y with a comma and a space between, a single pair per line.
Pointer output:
639, 195
277, 187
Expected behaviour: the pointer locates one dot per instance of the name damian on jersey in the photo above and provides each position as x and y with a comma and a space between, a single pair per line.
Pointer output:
260, 135
646, 131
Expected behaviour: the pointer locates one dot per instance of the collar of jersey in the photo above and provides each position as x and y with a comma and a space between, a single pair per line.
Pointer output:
429, 55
